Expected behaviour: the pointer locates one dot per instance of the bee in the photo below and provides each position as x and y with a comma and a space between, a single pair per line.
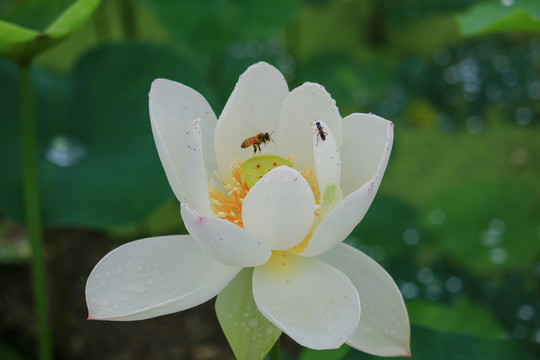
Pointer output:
256, 141
320, 130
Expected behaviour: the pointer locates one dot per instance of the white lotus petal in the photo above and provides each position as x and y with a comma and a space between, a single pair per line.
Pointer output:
327, 158
279, 208
311, 301
384, 324
225, 241
252, 108
367, 143
194, 173
341, 221
173, 107
304, 105
152, 277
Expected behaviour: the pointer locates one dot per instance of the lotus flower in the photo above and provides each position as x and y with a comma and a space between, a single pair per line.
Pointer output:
283, 211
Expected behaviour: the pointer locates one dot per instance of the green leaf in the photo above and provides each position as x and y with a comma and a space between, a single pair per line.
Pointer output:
71, 19
225, 22
522, 15
250, 334
461, 317
98, 165
23, 43
428, 345
488, 226
336, 354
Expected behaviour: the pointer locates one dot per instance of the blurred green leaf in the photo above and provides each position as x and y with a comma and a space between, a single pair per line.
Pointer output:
521, 15
428, 345
71, 19
250, 334
460, 317
23, 43
98, 166
488, 226
381, 233
336, 354
223, 21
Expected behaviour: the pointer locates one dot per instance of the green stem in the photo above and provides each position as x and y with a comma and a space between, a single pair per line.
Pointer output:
32, 211
275, 351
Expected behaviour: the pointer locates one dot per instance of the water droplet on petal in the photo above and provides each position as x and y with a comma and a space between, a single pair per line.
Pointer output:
64, 151
103, 302
136, 288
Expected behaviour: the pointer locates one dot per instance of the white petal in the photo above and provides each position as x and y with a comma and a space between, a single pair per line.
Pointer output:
225, 241
327, 159
304, 105
312, 302
341, 221
279, 208
173, 107
252, 108
194, 174
384, 325
367, 143
152, 277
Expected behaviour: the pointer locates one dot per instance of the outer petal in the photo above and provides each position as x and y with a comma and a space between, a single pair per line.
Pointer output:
152, 277
279, 208
225, 241
367, 143
304, 105
173, 107
194, 174
384, 325
341, 221
312, 302
253, 107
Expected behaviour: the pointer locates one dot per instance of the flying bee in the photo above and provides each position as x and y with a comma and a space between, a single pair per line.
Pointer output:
256, 141
319, 130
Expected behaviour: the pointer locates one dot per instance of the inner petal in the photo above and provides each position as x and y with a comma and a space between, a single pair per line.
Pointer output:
280, 208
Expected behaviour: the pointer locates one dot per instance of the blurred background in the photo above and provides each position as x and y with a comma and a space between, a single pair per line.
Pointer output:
456, 221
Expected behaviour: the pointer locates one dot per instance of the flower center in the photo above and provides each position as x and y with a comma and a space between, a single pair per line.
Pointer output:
226, 202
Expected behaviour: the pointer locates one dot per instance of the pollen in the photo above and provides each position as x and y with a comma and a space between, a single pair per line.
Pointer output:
227, 204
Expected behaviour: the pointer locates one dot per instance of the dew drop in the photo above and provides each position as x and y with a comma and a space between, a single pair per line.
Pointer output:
123, 297
136, 288
253, 322
65, 152
103, 302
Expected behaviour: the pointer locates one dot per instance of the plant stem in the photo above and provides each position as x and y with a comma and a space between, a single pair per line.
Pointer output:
275, 351
32, 210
